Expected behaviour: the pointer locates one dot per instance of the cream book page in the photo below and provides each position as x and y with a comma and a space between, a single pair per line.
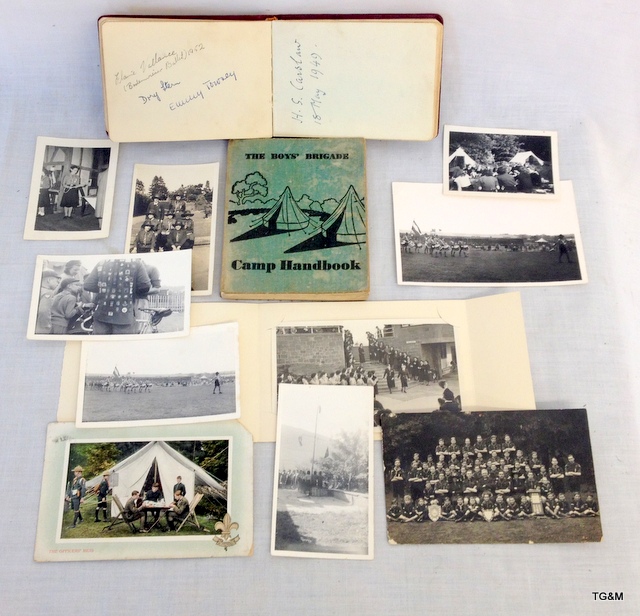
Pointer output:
374, 79
186, 80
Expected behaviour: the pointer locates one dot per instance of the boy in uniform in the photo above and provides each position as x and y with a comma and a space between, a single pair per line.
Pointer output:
76, 494
131, 510
552, 506
395, 511
408, 511
397, 481
178, 511
103, 490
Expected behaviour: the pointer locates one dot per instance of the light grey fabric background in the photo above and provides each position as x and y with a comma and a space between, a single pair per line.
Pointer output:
568, 66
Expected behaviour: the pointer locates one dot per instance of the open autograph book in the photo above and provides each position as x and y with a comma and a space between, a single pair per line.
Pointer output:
243, 77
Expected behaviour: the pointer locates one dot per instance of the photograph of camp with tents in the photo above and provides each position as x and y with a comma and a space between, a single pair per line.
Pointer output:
199, 469
498, 161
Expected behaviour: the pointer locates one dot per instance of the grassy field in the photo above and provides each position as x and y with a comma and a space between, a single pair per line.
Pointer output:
158, 403
321, 524
536, 530
89, 529
489, 267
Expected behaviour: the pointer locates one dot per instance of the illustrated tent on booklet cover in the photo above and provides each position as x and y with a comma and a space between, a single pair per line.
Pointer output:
157, 461
346, 225
285, 215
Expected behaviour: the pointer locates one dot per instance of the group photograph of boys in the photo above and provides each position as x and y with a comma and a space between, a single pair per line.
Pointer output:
173, 208
478, 471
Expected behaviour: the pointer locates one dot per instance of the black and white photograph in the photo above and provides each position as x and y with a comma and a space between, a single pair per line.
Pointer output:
493, 161
145, 493
72, 187
107, 296
492, 477
173, 207
411, 366
323, 488
490, 242
174, 380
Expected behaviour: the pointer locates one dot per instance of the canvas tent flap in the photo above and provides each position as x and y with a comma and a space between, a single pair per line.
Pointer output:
460, 153
523, 157
130, 473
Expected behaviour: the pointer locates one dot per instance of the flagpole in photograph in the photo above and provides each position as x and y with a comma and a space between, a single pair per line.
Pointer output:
315, 437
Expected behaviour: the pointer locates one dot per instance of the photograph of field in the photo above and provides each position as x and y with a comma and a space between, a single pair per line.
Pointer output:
492, 241
182, 379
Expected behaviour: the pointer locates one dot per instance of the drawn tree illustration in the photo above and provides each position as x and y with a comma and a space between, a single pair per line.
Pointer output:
253, 185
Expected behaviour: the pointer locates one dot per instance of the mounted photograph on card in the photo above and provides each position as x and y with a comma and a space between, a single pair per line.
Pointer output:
411, 366
175, 380
512, 163
491, 477
323, 488
492, 241
173, 207
109, 495
106, 296
71, 189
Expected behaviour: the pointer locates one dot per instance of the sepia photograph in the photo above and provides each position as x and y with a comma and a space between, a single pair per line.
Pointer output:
411, 366
491, 161
72, 186
106, 296
173, 207
323, 488
490, 477
174, 380
492, 242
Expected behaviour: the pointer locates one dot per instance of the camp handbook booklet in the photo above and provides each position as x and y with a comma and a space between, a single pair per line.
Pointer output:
244, 77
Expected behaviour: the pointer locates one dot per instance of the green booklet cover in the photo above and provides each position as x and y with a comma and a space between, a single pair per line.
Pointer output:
295, 220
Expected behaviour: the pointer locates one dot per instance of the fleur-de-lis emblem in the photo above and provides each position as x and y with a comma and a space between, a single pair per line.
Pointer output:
224, 539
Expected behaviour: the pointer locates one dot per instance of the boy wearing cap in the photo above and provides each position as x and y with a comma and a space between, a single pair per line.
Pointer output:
50, 280
75, 494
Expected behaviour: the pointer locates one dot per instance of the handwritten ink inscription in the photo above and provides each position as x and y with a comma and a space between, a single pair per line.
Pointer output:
305, 83
170, 92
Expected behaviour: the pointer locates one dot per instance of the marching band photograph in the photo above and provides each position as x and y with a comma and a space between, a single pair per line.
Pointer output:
490, 242
194, 378
490, 477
